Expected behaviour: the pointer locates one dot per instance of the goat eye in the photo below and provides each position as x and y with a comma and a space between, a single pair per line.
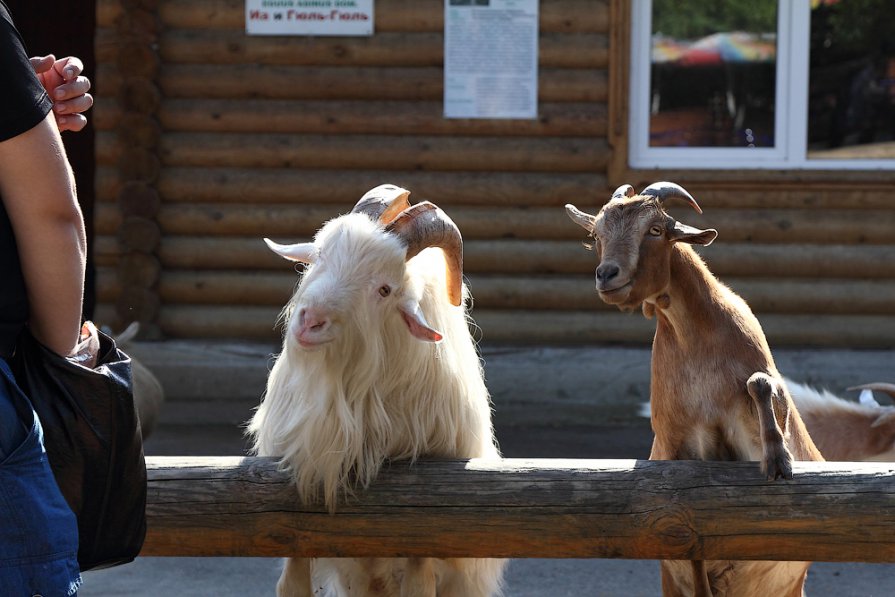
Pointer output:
385, 290
656, 230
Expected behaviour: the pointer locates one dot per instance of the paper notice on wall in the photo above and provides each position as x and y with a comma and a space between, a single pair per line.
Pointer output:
491, 59
309, 17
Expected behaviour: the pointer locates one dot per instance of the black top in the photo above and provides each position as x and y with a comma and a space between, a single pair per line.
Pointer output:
23, 104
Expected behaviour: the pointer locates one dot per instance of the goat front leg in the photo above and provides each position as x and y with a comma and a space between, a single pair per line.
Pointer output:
419, 578
295, 581
773, 418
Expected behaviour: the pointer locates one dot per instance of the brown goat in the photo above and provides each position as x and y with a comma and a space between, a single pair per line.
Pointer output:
715, 391
845, 430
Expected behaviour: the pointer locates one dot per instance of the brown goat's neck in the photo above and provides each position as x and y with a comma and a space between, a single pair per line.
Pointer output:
691, 304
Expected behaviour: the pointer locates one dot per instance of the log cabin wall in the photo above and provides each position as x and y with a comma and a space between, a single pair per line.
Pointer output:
209, 140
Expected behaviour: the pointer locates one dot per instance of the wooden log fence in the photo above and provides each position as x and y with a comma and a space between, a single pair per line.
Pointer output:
235, 506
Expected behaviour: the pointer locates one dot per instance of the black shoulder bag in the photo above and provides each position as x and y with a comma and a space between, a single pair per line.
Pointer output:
93, 442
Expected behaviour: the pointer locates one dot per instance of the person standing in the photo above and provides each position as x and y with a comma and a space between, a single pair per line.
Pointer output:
42, 263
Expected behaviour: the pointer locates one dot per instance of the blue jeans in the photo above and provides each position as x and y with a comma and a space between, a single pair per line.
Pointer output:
38, 531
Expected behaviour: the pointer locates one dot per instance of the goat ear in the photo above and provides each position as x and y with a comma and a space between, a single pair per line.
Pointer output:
694, 236
302, 252
416, 323
886, 419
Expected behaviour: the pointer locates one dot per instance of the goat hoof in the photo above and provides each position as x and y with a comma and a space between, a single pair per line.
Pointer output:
779, 467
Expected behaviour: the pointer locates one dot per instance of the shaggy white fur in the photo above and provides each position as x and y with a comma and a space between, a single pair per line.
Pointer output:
373, 391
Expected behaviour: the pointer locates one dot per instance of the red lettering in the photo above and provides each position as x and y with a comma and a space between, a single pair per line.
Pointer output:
292, 15
352, 16
257, 15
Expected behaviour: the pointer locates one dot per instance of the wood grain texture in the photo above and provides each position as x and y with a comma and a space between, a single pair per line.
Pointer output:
233, 506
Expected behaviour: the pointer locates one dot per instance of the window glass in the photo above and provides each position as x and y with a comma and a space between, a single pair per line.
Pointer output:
851, 98
712, 73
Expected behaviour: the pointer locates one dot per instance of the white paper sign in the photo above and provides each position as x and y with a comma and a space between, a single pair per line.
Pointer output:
491, 58
309, 17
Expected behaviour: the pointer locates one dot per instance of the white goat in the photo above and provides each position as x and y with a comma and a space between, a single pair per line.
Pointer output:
377, 364
715, 392
845, 430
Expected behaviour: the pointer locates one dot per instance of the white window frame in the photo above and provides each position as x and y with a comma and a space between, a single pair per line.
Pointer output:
791, 107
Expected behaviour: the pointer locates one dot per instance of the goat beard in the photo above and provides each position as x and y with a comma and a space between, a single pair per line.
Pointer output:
628, 304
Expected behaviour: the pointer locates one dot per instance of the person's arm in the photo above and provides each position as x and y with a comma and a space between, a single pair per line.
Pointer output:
66, 87
38, 191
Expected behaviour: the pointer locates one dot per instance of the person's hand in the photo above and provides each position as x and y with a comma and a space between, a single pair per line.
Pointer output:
86, 352
67, 88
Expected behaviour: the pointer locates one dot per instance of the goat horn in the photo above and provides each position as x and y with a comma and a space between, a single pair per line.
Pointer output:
888, 388
426, 225
303, 252
585, 220
625, 190
669, 190
383, 203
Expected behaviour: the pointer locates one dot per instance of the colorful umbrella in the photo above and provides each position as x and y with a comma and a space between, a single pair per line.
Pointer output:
718, 48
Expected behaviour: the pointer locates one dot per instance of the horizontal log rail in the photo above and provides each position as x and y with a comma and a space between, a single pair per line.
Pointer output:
235, 506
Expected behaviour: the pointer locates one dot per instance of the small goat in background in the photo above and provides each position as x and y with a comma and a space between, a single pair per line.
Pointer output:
378, 363
845, 430
715, 391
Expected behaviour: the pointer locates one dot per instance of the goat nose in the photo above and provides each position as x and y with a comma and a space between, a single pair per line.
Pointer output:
606, 272
312, 319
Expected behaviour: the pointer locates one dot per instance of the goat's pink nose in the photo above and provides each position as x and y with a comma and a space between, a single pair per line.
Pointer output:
312, 320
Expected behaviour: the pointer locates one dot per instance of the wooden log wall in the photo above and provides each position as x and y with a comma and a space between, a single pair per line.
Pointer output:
247, 507
270, 136
130, 63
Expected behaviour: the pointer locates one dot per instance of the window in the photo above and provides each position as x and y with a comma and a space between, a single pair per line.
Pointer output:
795, 84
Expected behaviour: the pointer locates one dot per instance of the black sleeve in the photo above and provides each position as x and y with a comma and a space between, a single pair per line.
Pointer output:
23, 102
